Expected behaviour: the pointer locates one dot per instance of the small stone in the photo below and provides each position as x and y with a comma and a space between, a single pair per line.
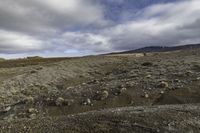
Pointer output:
7, 109
189, 72
156, 123
59, 101
39, 68
31, 85
87, 102
116, 93
32, 110
122, 90
146, 95
33, 71
131, 102
177, 80
68, 102
148, 76
104, 95
50, 101
84, 95
163, 84
32, 116
29, 100
147, 64
162, 92
84, 103
158, 130
83, 83
69, 88
9, 118
144, 54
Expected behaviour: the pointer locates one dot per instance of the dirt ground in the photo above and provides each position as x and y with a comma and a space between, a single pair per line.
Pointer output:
153, 92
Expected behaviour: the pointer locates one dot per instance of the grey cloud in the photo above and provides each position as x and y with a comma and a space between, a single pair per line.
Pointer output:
157, 25
46, 26
42, 17
28, 26
162, 24
13, 42
85, 42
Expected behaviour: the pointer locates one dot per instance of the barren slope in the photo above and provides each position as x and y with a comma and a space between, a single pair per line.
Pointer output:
45, 92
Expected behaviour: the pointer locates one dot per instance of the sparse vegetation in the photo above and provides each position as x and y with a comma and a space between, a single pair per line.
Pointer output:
2, 59
34, 57
40, 91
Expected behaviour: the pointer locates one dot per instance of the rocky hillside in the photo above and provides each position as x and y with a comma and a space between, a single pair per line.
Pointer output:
162, 49
153, 92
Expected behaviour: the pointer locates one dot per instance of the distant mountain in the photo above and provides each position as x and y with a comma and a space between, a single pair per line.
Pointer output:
160, 49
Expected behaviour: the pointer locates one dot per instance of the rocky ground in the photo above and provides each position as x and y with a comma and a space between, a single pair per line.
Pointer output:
153, 92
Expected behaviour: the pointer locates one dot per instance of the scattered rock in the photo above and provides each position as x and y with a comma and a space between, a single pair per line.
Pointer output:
68, 102
198, 78
32, 116
50, 101
104, 94
39, 68
7, 109
87, 102
94, 81
32, 111
69, 88
62, 102
189, 72
33, 71
162, 92
131, 102
22, 114
145, 95
10, 117
29, 100
122, 90
148, 76
177, 81
59, 101
147, 64
84, 83
196, 67
163, 84
134, 75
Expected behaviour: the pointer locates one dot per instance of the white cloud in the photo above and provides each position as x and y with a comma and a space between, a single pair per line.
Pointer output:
161, 24
44, 16
85, 42
77, 27
28, 26
13, 42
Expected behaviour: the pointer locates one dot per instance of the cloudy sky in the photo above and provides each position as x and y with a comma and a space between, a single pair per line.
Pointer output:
82, 27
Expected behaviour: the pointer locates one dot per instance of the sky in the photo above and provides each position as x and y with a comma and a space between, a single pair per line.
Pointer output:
53, 28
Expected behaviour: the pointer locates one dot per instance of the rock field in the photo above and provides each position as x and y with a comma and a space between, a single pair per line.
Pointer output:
151, 92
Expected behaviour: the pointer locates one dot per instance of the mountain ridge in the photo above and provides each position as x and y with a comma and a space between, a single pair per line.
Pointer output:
160, 49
